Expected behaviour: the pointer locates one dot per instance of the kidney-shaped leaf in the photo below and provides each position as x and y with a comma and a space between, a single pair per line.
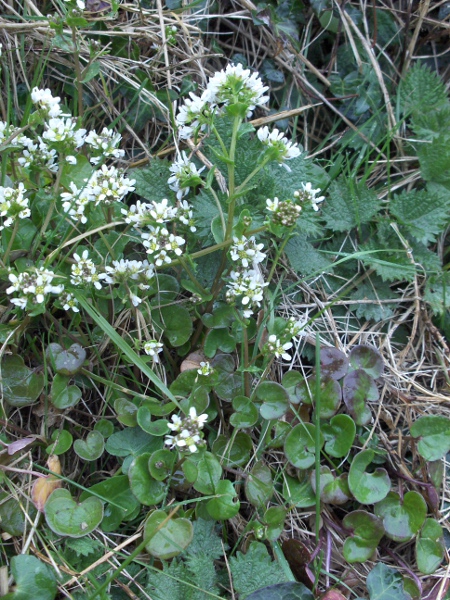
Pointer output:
275, 400
368, 359
367, 488
66, 362
167, 537
259, 485
299, 446
21, 385
148, 491
333, 363
226, 504
339, 435
434, 434
402, 519
367, 532
91, 448
359, 388
64, 516
177, 324
430, 547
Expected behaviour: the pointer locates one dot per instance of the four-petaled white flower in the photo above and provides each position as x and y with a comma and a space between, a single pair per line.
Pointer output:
187, 430
280, 148
307, 194
153, 348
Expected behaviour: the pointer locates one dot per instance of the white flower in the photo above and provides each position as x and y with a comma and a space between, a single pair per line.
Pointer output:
307, 194
188, 431
63, 130
295, 327
162, 245
71, 160
109, 185
33, 286
184, 175
274, 346
104, 144
162, 212
281, 149
122, 270
247, 251
152, 348
194, 114
38, 156
76, 201
8, 131
69, 302
47, 103
13, 205
185, 215
272, 205
249, 287
205, 369
84, 271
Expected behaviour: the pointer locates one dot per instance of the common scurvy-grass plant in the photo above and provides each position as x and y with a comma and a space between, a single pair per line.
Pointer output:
187, 256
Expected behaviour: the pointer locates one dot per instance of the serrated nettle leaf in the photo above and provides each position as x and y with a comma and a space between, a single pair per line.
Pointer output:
358, 388
254, 570
368, 488
430, 547
304, 257
385, 583
226, 503
21, 386
422, 90
299, 446
66, 517
148, 490
246, 413
339, 435
349, 204
434, 160
402, 518
259, 485
434, 434
91, 448
333, 363
233, 452
151, 181
368, 359
167, 537
367, 532
33, 579
66, 362
275, 400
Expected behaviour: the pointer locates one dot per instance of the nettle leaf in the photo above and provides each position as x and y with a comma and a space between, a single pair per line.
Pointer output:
291, 590
367, 488
368, 359
422, 90
436, 292
339, 435
402, 518
151, 181
206, 540
254, 570
167, 537
33, 579
259, 485
358, 388
376, 290
434, 160
333, 363
275, 400
298, 493
385, 583
304, 258
434, 434
349, 205
430, 547
299, 447
66, 517
226, 503
424, 213
21, 386
91, 448
66, 362
367, 532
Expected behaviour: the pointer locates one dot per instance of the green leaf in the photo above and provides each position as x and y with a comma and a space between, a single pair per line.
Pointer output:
333, 490
291, 590
21, 386
151, 181
91, 70
62, 442
349, 205
229, 382
226, 504
246, 414
33, 579
367, 488
385, 583
298, 493
274, 518
233, 454
209, 472
402, 518
299, 446
304, 258
166, 537
66, 362
368, 359
359, 387
65, 517
206, 541
367, 532
218, 339
91, 448
275, 400
434, 160
422, 90
259, 485
132, 441
430, 548
254, 570
25, 235
434, 434
148, 491
126, 412
176, 324
339, 435
121, 503
375, 290
62, 395
161, 463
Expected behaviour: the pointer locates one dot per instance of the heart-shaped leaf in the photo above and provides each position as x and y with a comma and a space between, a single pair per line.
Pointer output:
298, 493
235, 452
434, 434
62, 441
167, 537
126, 412
339, 435
274, 518
176, 324
330, 395
402, 519
228, 381
259, 485
226, 504
430, 548
66, 362
299, 446
91, 448
33, 579
291, 380
12, 515
275, 400
333, 363
333, 490
368, 359
359, 388
161, 463
62, 394
66, 517
21, 385
385, 583
218, 339
367, 532
246, 413
368, 488
148, 491
208, 472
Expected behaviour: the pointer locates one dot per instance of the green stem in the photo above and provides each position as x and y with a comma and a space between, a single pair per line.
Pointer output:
191, 276
317, 447
76, 60
11, 241
280, 251
231, 178
255, 171
219, 139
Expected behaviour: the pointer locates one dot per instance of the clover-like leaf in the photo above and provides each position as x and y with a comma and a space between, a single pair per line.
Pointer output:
339, 435
66, 517
402, 518
333, 363
246, 413
66, 362
430, 548
434, 434
275, 400
91, 448
368, 359
226, 503
21, 386
167, 537
259, 485
299, 446
367, 532
33, 579
368, 488
63, 395
359, 387
161, 463
148, 490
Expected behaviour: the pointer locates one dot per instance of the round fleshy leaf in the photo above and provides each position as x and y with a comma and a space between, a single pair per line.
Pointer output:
259, 485
66, 517
368, 359
299, 446
226, 504
279, 434
66, 362
434, 434
105, 427
147, 490
126, 412
68, 397
402, 519
21, 386
233, 454
218, 339
246, 413
62, 441
33, 579
430, 548
228, 381
291, 380
339, 435
167, 537
274, 518
367, 532
333, 363
275, 400
176, 324
359, 388
330, 395
12, 514
298, 493
368, 488
164, 287
209, 472
333, 490
161, 463
91, 448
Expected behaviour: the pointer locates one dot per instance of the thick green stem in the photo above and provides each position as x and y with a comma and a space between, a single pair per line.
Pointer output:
231, 177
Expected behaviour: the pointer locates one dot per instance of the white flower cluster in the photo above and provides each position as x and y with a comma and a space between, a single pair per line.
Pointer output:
47, 103
85, 271
131, 274
81, 5
279, 147
279, 345
38, 155
184, 176
188, 435
32, 287
9, 131
307, 194
104, 144
247, 251
153, 348
162, 245
205, 369
248, 286
13, 205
